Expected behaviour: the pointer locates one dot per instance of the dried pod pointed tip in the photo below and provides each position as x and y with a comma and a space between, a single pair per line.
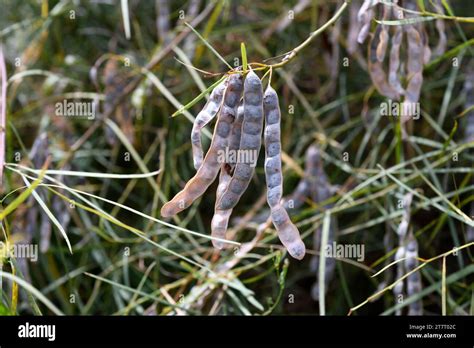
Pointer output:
166, 210
217, 244
297, 250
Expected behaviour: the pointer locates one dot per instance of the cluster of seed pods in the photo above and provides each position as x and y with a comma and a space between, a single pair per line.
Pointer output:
241, 108
417, 52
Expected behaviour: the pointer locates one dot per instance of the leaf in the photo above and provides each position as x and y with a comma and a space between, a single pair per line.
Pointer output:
22, 197
199, 97
243, 51
49, 213
213, 50
322, 261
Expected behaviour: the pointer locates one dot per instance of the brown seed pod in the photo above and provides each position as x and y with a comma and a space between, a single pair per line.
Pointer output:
354, 28
384, 36
394, 63
250, 142
209, 168
287, 231
376, 71
202, 119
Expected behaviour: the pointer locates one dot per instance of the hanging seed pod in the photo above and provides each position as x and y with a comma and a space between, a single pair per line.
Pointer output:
163, 20
394, 63
202, 119
377, 74
320, 191
236, 134
401, 252
365, 19
287, 231
354, 28
440, 28
365, 16
413, 281
469, 131
384, 36
415, 59
303, 190
399, 286
425, 42
209, 168
220, 220
250, 142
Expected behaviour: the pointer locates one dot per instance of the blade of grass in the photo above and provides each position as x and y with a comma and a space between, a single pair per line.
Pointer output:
213, 50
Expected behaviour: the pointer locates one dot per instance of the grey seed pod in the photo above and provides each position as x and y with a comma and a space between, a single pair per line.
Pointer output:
413, 280
209, 168
250, 141
202, 119
287, 231
220, 220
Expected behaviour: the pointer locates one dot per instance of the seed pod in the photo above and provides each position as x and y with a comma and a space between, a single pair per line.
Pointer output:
469, 131
399, 286
202, 119
402, 249
250, 141
365, 18
236, 133
376, 71
320, 191
163, 20
220, 220
440, 28
384, 37
394, 63
426, 46
287, 231
415, 59
209, 168
413, 280
354, 28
